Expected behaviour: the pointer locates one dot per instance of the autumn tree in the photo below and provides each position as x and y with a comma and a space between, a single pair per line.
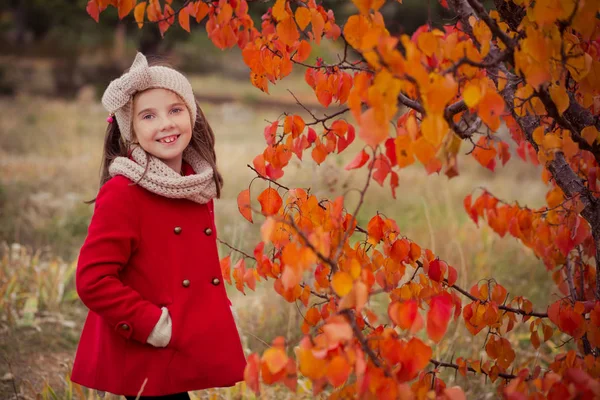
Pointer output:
531, 66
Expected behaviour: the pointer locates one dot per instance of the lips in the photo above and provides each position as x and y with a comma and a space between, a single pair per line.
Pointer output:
168, 139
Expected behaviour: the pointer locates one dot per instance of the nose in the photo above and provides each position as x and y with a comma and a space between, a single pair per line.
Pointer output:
166, 123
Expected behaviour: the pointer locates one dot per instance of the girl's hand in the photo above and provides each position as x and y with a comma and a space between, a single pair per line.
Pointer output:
161, 334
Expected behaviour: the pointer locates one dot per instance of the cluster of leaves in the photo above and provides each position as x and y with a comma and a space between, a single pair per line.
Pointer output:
530, 65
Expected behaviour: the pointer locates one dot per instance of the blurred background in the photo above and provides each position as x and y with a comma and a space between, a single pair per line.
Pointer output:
55, 62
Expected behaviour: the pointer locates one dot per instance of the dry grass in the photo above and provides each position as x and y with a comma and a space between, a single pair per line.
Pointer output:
49, 161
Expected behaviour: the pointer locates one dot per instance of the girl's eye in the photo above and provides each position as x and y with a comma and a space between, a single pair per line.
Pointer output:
146, 116
178, 110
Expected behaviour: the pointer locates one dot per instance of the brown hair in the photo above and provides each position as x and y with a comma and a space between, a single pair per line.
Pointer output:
203, 141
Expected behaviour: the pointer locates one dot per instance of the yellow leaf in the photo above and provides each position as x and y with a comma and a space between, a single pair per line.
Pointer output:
275, 358
472, 95
434, 128
569, 147
552, 142
560, 98
341, 283
138, 13
302, 17
538, 135
590, 134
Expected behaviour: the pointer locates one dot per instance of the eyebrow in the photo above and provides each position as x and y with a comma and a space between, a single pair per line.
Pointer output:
152, 109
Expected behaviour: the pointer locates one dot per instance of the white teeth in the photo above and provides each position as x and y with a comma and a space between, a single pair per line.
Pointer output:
168, 140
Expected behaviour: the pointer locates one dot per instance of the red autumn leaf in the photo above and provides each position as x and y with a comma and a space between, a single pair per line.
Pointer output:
390, 150
270, 132
400, 250
437, 269
360, 160
184, 19
406, 315
375, 228
93, 10
311, 136
381, 169
270, 201
413, 356
345, 141
252, 372
440, 311
243, 202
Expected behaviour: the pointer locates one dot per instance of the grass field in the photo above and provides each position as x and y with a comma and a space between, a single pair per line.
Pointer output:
50, 153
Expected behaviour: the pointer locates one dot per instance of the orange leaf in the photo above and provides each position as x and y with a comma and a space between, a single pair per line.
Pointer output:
360, 160
490, 109
138, 13
338, 371
238, 274
226, 269
414, 358
434, 128
303, 17
294, 124
341, 283
373, 130
303, 51
319, 153
338, 330
125, 7
201, 10
423, 150
590, 134
287, 31
270, 201
184, 19
243, 201
318, 23
375, 229
279, 12
560, 98
485, 153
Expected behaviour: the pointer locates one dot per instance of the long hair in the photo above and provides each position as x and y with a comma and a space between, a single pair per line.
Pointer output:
203, 141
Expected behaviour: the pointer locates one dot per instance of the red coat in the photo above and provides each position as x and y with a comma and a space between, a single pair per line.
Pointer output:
144, 251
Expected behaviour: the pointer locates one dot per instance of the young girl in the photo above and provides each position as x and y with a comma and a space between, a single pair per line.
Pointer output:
159, 320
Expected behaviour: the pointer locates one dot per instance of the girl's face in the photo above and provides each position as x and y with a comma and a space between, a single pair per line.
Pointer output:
161, 125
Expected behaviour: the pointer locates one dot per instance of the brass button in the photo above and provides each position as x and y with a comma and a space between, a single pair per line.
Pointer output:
216, 281
186, 283
177, 230
125, 327
208, 231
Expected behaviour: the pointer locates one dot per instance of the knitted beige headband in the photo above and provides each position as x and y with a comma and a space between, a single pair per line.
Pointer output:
118, 96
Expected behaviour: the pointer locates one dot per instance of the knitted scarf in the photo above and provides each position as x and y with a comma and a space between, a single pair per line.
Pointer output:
163, 180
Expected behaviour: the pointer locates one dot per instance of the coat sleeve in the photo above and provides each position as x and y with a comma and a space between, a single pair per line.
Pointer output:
113, 235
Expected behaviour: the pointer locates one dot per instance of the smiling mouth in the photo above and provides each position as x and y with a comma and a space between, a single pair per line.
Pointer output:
168, 139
